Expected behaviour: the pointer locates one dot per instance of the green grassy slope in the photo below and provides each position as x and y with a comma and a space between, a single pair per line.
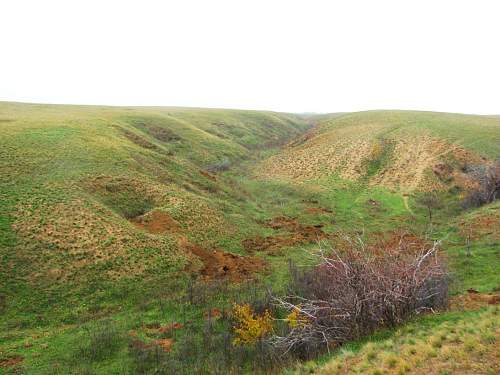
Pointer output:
80, 186
72, 176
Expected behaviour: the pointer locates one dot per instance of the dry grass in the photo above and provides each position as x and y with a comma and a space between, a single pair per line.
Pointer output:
346, 150
469, 346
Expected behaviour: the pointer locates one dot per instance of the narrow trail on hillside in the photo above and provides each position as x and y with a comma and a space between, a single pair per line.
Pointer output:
407, 205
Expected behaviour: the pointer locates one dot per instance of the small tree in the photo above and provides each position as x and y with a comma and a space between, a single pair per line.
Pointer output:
430, 201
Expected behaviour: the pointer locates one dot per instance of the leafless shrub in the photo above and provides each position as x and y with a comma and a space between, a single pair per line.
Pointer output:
488, 184
353, 292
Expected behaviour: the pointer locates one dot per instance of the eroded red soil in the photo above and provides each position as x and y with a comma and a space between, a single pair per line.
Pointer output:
481, 226
11, 361
473, 300
156, 222
299, 234
164, 344
398, 240
218, 264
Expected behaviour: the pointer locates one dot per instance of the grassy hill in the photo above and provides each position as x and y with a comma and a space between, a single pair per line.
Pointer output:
77, 182
112, 218
389, 148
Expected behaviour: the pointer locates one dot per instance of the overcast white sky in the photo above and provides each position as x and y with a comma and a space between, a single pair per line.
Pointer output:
297, 56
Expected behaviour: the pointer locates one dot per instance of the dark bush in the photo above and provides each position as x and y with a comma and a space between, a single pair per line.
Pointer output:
352, 293
487, 180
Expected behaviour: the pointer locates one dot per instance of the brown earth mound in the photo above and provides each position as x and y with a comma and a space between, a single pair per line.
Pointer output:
221, 265
138, 140
208, 175
482, 226
270, 244
283, 222
164, 344
473, 300
299, 234
156, 222
11, 361
398, 240
170, 327
213, 313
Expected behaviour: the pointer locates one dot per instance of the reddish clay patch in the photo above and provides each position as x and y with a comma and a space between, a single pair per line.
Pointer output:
208, 175
299, 234
11, 361
473, 300
282, 222
165, 344
221, 265
156, 222
397, 240
442, 170
318, 210
481, 226
170, 327
214, 313
271, 244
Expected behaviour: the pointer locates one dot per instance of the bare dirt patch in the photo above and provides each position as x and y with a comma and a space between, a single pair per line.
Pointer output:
299, 234
138, 140
397, 239
11, 361
208, 175
414, 157
482, 226
473, 300
213, 313
157, 329
164, 344
170, 327
218, 264
156, 222
270, 244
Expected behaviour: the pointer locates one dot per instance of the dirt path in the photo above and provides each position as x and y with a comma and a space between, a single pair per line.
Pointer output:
407, 205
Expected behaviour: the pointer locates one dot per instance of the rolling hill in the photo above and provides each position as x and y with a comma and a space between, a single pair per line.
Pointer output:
116, 216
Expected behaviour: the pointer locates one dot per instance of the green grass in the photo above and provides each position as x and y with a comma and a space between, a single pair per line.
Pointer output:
74, 269
451, 341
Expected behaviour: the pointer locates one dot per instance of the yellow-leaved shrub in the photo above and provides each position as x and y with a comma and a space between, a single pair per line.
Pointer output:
250, 327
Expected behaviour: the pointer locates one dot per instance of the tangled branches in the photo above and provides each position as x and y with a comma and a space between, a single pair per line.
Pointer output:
353, 292
487, 179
